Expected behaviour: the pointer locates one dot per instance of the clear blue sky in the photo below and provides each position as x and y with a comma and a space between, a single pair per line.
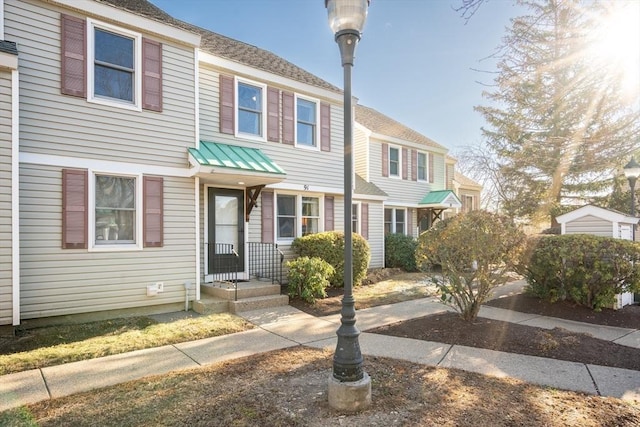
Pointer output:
414, 62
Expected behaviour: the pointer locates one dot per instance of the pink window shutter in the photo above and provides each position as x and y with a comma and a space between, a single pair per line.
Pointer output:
431, 168
227, 105
405, 163
152, 190
385, 159
329, 206
325, 127
288, 133
414, 165
267, 216
151, 75
273, 114
364, 220
73, 61
74, 208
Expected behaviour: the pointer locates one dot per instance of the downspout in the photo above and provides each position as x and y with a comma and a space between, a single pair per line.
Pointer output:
196, 194
15, 195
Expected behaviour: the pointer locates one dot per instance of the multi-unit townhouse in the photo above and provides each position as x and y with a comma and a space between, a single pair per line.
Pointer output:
140, 155
407, 166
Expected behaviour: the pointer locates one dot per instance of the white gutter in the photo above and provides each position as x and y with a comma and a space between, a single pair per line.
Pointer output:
196, 193
15, 196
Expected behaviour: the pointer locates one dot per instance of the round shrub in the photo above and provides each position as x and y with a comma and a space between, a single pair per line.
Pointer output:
476, 251
329, 246
308, 278
586, 269
400, 252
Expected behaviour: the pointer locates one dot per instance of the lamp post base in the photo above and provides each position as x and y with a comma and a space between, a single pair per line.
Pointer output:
350, 396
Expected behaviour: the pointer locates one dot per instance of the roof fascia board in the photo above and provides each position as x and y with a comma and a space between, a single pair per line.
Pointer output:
416, 145
104, 11
598, 213
357, 196
8, 60
255, 73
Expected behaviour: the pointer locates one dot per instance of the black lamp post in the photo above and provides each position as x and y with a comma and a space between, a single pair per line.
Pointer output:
632, 172
346, 19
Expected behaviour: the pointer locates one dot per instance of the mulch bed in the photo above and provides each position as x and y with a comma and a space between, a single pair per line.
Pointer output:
627, 317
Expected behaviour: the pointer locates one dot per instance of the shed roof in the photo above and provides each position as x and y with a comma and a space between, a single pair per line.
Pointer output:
598, 212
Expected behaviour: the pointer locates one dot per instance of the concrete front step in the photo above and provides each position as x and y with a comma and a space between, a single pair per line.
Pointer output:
256, 303
250, 289
210, 305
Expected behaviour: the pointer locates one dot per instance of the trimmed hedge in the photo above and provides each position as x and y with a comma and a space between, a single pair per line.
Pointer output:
588, 270
400, 252
329, 246
308, 278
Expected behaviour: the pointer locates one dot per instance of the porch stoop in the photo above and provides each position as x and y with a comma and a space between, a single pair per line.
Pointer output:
219, 297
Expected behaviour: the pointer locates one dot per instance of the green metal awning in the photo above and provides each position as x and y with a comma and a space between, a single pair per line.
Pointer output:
442, 199
234, 164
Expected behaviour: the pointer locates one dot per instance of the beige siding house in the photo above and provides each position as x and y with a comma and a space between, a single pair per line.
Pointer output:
145, 160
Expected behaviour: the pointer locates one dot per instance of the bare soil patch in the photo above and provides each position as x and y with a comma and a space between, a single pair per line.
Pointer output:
289, 388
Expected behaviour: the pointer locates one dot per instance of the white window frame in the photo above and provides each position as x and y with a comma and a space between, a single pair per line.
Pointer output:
426, 166
298, 214
136, 105
93, 247
263, 115
316, 146
356, 214
393, 219
395, 147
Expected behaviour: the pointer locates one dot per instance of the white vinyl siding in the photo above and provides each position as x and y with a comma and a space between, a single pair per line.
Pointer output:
303, 167
590, 224
404, 191
59, 281
6, 297
69, 126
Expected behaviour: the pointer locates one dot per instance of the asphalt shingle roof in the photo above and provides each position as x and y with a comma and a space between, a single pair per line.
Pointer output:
8, 47
226, 47
384, 125
465, 180
367, 188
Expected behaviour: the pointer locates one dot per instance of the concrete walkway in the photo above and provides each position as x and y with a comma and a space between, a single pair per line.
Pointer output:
284, 327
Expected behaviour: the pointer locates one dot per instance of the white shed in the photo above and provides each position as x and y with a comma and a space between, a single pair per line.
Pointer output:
591, 219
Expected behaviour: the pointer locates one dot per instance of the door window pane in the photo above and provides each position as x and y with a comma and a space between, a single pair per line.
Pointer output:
226, 228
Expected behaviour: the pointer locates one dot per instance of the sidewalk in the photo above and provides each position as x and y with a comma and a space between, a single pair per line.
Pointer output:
286, 326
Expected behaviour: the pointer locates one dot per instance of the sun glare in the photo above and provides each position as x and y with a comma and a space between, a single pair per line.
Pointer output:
616, 42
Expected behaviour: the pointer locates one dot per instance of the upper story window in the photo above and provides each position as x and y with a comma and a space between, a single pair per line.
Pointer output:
115, 67
306, 122
467, 203
422, 167
394, 161
250, 109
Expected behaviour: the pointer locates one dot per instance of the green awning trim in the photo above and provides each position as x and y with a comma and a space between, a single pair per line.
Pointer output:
441, 197
217, 154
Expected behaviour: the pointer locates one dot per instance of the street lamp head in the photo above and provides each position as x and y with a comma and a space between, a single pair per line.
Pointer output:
347, 15
632, 170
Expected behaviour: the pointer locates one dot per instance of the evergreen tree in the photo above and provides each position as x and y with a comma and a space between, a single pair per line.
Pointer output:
562, 120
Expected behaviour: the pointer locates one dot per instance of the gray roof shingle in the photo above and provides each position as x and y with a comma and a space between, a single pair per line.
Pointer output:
383, 125
367, 188
8, 47
226, 47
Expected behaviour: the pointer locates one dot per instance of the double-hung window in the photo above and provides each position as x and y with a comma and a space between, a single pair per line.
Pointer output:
422, 167
306, 122
394, 221
310, 215
116, 210
115, 67
251, 108
394, 161
297, 216
355, 218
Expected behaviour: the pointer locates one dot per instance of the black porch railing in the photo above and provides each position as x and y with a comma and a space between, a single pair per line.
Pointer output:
224, 263
265, 261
